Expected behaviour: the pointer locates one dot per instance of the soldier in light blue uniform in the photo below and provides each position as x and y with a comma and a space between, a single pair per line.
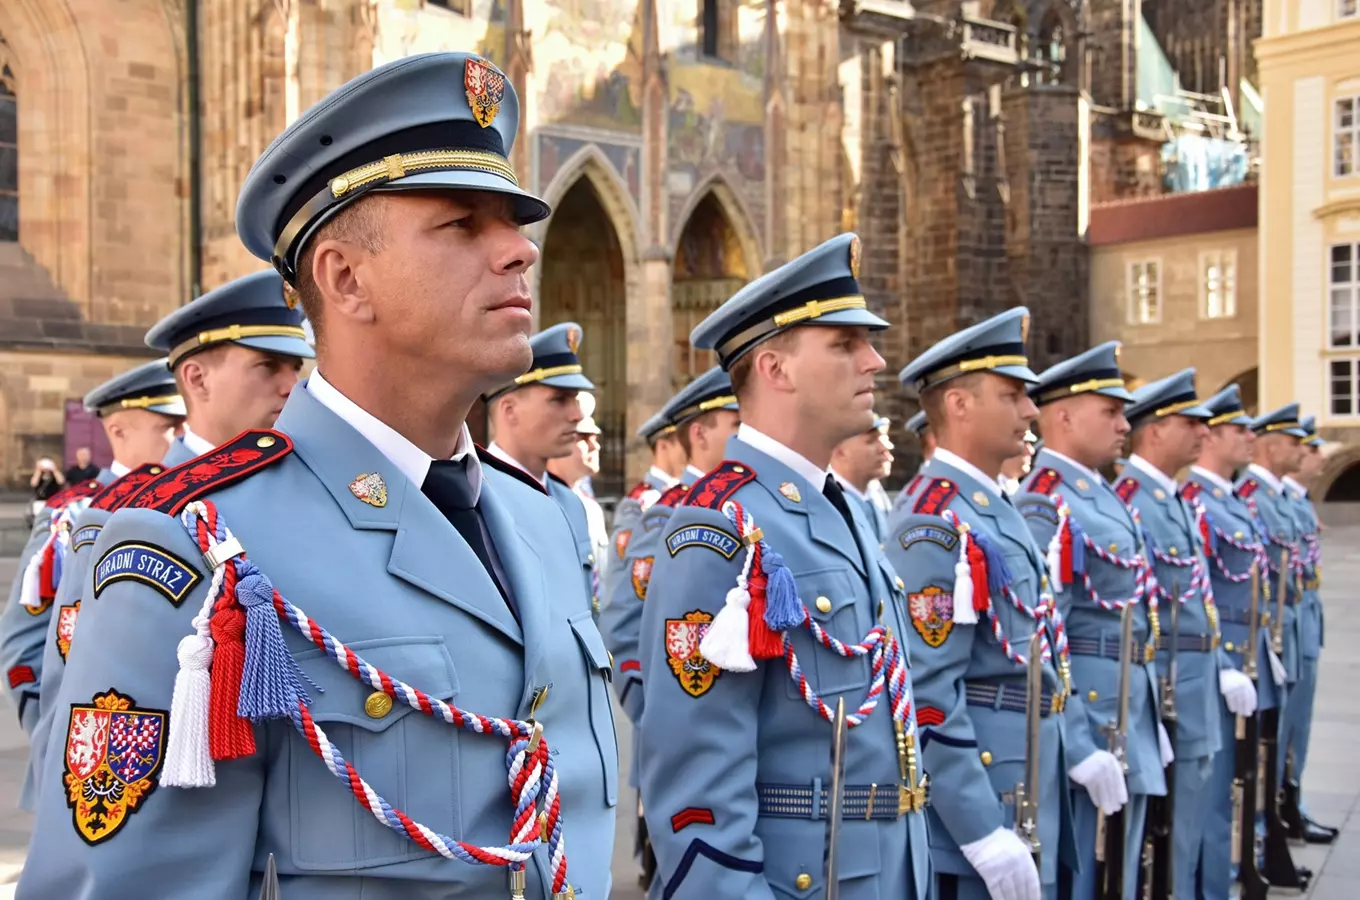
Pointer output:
703, 416
925, 435
1299, 723
1169, 426
1081, 415
534, 419
660, 437
236, 352
858, 463
425, 576
1235, 545
736, 751
970, 634
140, 411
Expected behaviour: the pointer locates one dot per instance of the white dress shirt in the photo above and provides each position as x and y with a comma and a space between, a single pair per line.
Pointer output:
1267, 476
1084, 469
197, 445
498, 451
1163, 479
950, 458
1294, 486
413, 462
1213, 478
118, 469
664, 477
794, 460
848, 487
694, 471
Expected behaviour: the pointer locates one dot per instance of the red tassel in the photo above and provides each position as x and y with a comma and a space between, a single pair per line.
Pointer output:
977, 565
1204, 533
47, 571
765, 643
1068, 576
229, 735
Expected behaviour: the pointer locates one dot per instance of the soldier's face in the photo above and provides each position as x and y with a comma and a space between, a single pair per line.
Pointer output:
248, 387
1184, 437
1097, 425
864, 456
832, 370
139, 436
708, 437
450, 285
544, 420
1310, 465
1233, 443
1003, 411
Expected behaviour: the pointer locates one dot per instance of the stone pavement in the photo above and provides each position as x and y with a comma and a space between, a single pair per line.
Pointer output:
1331, 784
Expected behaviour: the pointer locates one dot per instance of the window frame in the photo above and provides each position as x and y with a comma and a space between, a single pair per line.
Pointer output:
1342, 7
1353, 132
1352, 361
1224, 257
1353, 286
1133, 296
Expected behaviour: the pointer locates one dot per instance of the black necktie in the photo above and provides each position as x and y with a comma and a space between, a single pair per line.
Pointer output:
449, 489
832, 491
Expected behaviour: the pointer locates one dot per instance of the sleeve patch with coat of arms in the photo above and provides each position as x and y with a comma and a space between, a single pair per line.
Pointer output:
113, 752
932, 614
642, 574
695, 674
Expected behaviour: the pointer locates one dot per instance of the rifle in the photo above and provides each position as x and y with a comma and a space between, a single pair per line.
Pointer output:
1279, 868
1027, 791
1159, 846
1110, 830
836, 800
1246, 787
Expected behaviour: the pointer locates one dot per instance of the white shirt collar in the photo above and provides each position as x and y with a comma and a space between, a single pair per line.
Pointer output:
1084, 469
1294, 486
1267, 476
848, 487
118, 469
791, 458
695, 471
1165, 480
197, 445
950, 458
498, 451
1213, 478
413, 462
664, 477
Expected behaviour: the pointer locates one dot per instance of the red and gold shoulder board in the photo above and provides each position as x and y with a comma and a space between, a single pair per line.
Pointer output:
488, 458
1127, 488
242, 456
116, 494
638, 490
1190, 490
673, 495
1044, 481
1248, 487
73, 492
718, 486
937, 495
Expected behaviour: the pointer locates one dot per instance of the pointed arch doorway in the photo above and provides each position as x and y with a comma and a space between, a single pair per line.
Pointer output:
710, 266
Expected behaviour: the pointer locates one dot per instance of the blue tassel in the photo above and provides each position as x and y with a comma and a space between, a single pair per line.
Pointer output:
58, 563
783, 610
1078, 546
271, 683
998, 573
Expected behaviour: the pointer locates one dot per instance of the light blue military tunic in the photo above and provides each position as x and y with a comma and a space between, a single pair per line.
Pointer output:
397, 584
1094, 632
970, 694
1299, 712
722, 752
1265, 495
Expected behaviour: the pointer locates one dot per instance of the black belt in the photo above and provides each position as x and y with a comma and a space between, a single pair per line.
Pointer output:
1011, 698
1237, 616
859, 801
1188, 643
1088, 646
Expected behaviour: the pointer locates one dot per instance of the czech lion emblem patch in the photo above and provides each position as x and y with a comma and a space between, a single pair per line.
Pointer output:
66, 627
485, 89
932, 614
113, 752
642, 574
695, 674
621, 541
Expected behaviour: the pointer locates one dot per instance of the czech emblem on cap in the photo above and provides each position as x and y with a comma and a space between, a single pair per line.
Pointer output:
932, 614
485, 89
113, 750
370, 488
856, 253
66, 627
291, 298
695, 674
573, 338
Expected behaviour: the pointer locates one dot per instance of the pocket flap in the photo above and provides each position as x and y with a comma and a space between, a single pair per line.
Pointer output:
802, 852
588, 636
422, 662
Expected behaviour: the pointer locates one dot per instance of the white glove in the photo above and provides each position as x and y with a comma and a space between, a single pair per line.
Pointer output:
1164, 744
1103, 777
1277, 670
1238, 692
1004, 864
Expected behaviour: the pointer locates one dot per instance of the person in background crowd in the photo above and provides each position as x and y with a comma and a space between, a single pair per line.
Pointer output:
857, 463
577, 469
46, 479
1017, 467
84, 466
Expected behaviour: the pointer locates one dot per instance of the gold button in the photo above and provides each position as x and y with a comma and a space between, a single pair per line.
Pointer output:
1092, 696
739, 470
1114, 548
900, 584
803, 882
1228, 646
1237, 535
986, 757
156, 470
1173, 551
265, 441
378, 705
824, 604
591, 559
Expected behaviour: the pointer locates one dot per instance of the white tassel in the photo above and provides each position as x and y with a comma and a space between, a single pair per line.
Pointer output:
188, 761
1054, 555
30, 588
727, 643
963, 585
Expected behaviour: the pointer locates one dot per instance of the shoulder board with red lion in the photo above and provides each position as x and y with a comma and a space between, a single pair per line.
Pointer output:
1190, 490
718, 486
1044, 481
673, 495
1248, 487
114, 495
937, 495
488, 458
1126, 488
240, 457
73, 492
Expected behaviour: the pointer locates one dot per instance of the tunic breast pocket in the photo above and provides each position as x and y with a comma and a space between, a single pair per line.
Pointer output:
836, 604
411, 760
599, 708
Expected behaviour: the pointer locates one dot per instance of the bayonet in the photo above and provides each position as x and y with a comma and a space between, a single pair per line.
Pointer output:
269, 890
1027, 791
836, 799
1246, 775
1110, 829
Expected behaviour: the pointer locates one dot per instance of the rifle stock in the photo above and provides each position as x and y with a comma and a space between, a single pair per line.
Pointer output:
1279, 863
1159, 869
1246, 788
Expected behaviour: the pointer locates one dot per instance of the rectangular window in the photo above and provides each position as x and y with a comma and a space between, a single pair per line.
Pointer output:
1346, 136
1218, 284
1145, 292
1343, 292
1347, 9
1341, 392
709, 28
